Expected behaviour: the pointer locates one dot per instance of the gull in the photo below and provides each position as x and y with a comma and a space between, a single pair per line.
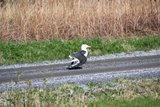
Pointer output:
79, 58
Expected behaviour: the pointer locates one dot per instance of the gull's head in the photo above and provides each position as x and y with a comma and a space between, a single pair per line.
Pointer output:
85, 47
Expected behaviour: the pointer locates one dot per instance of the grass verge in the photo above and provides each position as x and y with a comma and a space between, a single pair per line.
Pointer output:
32, 51
120, 93
137, 102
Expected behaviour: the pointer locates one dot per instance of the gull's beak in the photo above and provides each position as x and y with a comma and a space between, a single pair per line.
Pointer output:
89, 46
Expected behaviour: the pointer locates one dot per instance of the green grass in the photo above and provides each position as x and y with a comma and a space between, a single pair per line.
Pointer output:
120, 93
33, 51
137, 102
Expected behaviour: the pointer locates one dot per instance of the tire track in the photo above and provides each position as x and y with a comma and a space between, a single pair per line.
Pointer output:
98, 66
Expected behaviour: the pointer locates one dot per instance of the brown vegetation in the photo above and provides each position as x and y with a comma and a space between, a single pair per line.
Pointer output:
66, 19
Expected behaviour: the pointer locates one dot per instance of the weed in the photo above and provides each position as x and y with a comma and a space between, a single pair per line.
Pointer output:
121, 93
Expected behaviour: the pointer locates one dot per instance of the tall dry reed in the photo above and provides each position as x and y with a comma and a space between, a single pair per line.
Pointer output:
66, 19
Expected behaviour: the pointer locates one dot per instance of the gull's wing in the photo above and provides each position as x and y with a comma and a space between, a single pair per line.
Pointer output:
80, 56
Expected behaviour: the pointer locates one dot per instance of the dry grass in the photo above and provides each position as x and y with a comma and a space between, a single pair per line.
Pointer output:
68, 19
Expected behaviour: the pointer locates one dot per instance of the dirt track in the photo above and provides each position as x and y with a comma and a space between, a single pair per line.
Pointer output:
132, 62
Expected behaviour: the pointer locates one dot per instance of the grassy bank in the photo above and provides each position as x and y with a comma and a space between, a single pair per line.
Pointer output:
120, 93
66, 19
137, 102
27, 52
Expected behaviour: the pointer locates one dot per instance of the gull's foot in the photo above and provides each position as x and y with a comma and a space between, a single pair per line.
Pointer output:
73, 68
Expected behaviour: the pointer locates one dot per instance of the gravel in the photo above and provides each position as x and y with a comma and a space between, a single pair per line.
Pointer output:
85, 78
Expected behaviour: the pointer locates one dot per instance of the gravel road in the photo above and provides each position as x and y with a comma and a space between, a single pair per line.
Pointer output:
97, 69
